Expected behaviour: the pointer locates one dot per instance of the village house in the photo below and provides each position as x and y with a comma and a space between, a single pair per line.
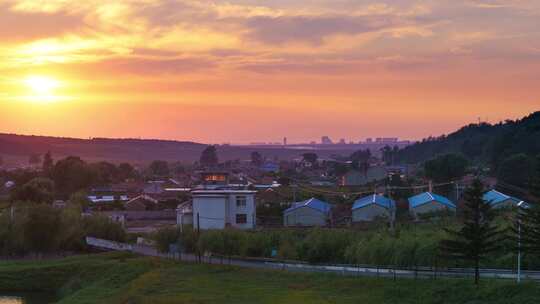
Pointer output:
372, 207
311, 212
216, 205
428, 202
499, 200
141, 203
359, 178
222, 208
106, 195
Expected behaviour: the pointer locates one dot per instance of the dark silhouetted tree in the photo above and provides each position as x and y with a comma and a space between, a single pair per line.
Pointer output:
42, 228
126, 171
535, 181
529, 218
256, 158
106, 173
310, 157
72, 174
446, 167
360, 156
527, 228
478, 236
159, 168
516, 170
38, 190
209, 157
48, 164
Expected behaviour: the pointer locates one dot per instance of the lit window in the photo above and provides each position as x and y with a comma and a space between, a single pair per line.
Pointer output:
241, 201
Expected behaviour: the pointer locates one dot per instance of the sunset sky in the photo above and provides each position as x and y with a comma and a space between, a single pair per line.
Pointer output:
249, 70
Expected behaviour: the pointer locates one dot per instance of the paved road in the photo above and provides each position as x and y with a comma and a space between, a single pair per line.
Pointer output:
348, 270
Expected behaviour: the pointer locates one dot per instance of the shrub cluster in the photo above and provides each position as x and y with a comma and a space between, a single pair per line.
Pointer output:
39, 228
408, 246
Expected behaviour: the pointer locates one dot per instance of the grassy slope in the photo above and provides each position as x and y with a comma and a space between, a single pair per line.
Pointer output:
122, 278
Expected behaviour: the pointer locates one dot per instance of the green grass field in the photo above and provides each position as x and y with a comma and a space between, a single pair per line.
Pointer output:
124, 278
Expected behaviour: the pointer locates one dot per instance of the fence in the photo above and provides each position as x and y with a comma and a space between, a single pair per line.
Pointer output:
142, 215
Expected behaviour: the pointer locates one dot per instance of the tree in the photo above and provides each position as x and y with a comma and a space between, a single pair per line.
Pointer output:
159, 168
126, 171
446, 167
360, 156
478, 236
209, 157
42, 228
310, 157
256, 158
386, 154
527, 229
79, 199
103, 227
516, 170
340, 169
72, 174
48, 164
37, 190
106, 173
527, 226
534, 186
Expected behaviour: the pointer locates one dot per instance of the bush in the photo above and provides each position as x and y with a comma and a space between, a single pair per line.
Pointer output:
164, 237
104, 228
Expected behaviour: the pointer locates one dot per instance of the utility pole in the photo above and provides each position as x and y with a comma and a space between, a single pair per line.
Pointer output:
392, 208
520, 205
198, 237
457, 191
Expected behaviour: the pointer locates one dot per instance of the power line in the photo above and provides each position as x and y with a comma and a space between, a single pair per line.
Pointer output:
371, 190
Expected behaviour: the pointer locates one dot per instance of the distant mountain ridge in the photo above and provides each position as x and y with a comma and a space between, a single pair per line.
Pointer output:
99, 148
483, 142
138, 150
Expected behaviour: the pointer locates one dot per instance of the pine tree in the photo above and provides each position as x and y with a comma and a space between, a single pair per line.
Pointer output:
535, 183
48, 164
527, 226
478, 236
528, 229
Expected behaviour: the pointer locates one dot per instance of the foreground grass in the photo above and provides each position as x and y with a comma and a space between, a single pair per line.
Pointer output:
124, 278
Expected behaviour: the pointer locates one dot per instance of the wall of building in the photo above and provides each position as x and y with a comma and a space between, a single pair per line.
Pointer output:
505, 204
218, 212
249, 210
305, 216
142, 215
211, 210
369, 213
432, 206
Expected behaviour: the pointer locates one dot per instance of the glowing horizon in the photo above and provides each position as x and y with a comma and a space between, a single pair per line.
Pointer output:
245, 71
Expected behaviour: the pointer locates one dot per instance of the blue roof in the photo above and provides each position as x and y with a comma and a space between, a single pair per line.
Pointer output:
494, 197
427, 197
312, 203
374, 199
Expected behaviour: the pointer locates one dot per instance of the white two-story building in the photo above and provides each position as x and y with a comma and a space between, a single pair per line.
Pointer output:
219, 209
216, 205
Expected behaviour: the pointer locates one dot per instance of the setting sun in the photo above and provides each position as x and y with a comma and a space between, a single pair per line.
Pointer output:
42, 88
41, 84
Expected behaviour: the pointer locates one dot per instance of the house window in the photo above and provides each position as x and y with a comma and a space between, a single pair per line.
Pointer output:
241, 218
241, 201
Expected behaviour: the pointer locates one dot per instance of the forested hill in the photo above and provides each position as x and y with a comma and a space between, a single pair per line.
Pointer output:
482, 142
